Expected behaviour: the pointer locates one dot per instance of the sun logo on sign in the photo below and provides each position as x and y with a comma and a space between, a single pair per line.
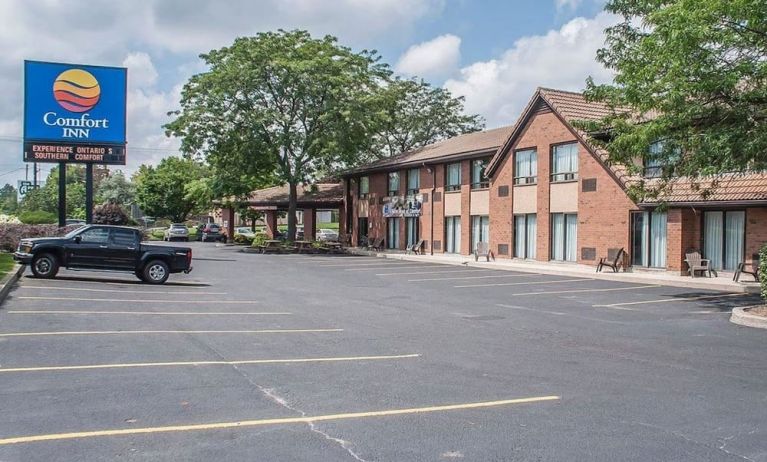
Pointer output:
76, 90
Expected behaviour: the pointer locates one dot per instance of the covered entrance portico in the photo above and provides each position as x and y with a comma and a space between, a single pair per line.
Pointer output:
311, 199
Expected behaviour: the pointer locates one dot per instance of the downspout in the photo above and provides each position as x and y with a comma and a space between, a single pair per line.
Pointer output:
433, 187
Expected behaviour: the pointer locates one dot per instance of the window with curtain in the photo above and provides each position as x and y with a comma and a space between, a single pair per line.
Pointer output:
564, 236
526, 166
525, 228
453, 177
413, 181
648, 239
411, 230
453, 234
480, 230
393, 188
564, 162
657, 161
478, 179
364, 186
392, 233
723, 238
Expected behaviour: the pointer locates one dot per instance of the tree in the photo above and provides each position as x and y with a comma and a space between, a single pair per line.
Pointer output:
115, 188
110, 213
692, 73
280, 106
412, 114
161, 191
46, 198
8, 199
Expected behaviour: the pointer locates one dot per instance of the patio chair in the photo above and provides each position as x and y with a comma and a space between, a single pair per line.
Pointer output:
416, 248
613, 263
695, 262
377, 243
483, 250
742, 269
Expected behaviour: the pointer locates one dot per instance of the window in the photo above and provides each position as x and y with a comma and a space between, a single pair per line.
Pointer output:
95, 236
648, 241
364, 187
392, 233
525, 230
723, 236
564, 162
564, 236
124, 237
453, 177
655, 164
413, 181
526, 166
453, 234
480, 230
411, 230
393, 184
478, 180
362, 231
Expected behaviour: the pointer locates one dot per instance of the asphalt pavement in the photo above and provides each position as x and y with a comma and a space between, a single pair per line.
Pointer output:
345, 358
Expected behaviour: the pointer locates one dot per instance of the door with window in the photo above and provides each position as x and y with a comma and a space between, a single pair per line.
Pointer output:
648, 239
392, 233
123, 248
723, 238
480, 230
525, 230
91, 249
453, 234
564, 236
411, 230
362, 231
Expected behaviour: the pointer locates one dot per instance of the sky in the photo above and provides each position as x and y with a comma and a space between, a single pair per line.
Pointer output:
492, 52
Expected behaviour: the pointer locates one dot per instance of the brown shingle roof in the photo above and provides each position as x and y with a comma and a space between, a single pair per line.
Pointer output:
461, 145
733, 187
318, 194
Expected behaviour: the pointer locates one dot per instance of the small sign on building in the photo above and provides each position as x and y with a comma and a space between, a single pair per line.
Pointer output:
403, 206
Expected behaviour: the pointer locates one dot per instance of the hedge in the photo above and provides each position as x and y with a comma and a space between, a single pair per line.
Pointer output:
11, 234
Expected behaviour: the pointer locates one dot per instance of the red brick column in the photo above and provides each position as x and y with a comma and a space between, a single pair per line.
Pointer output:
227, 216
682, 234
466, 208
310, 224
270, 218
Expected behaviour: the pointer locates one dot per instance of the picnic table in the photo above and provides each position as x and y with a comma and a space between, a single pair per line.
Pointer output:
270, 245
303, 245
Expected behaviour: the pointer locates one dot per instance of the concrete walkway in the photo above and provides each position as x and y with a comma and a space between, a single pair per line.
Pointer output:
722, 283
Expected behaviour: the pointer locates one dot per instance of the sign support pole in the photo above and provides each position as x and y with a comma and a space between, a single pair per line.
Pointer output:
62, 194
88, 193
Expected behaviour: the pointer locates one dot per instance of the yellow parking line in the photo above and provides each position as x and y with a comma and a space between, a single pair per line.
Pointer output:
276, 421
128, 332
675, 299
476, 277
205, 363
522, 283
162, 313
209, 302
87, 289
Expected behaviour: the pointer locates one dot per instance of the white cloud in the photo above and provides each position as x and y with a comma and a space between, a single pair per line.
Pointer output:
564, 5
437, 57
141, 70
499, 88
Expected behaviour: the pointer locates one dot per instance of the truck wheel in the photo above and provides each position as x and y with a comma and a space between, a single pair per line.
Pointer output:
156, 272
45, 266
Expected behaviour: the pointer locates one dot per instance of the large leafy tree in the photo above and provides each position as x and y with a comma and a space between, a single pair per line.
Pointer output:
8, 199
46, 198
282, 106
692, 73
116, 189
411, 114
162, 191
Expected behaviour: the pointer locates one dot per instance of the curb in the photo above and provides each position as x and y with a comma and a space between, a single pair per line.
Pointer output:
9, 280
619, 277
741, 317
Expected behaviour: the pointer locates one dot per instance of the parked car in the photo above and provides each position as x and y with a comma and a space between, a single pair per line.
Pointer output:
210, 232
177, 231
104, 248
245, 231
327, 235
74, 221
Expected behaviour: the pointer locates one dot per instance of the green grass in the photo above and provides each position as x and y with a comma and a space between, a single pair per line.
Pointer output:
6, 264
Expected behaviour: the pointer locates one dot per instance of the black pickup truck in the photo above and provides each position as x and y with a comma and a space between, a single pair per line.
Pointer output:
104, 248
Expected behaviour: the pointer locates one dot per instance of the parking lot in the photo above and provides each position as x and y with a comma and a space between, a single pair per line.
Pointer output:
315, 358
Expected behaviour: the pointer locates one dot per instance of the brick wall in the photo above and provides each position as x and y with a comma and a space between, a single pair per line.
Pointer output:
683, 233
501, 225
756, 232
466, 208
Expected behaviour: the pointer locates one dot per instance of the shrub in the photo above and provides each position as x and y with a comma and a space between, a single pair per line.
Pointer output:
110, 214
763, 270
37, 217
9, 220
259, 239
11, 234
242, 239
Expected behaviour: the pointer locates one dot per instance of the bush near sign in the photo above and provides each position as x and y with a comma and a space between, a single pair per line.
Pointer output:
403, 206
